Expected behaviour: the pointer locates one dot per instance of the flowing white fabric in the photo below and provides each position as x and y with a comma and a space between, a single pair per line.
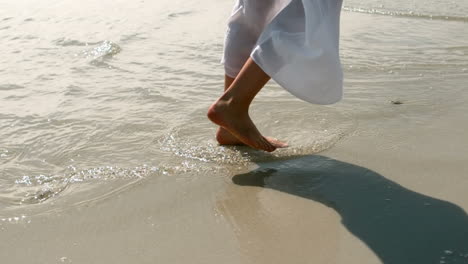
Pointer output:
296, 42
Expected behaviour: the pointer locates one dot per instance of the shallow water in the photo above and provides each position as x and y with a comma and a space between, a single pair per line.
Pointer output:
100, 95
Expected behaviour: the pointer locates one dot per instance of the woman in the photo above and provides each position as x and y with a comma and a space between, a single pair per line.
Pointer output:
295, 42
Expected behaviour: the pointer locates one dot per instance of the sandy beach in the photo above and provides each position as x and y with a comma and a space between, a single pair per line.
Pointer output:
106, 155
336, 207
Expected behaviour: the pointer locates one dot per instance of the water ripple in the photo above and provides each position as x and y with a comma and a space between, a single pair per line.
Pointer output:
7, 87
64, 42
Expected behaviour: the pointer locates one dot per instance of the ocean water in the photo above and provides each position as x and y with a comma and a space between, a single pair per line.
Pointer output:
97, 96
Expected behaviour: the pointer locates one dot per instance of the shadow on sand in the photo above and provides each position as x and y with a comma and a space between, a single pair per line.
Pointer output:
399, 225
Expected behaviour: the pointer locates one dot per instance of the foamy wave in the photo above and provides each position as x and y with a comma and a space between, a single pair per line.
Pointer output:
410, 14
206, 152
199, 148
103, 50
35, 189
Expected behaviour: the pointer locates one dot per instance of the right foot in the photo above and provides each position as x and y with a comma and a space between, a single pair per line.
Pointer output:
239, 124
225, 137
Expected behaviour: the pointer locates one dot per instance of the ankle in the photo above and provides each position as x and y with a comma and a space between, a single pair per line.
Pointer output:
235, 102
240, 107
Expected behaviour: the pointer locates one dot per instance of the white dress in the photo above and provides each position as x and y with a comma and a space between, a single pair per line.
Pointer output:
296, 42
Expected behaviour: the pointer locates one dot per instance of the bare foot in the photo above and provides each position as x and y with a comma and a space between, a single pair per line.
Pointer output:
238, 123
225, 137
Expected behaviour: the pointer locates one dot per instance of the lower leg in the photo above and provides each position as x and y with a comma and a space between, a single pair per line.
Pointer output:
230, 111
227, 82
246, 85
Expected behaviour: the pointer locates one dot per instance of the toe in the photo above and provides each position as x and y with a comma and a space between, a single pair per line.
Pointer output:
277, 143
267, 145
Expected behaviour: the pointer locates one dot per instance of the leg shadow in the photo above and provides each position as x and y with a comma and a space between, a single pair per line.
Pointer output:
399, 225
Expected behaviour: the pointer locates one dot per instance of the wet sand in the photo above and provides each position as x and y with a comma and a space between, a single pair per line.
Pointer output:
355, 203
